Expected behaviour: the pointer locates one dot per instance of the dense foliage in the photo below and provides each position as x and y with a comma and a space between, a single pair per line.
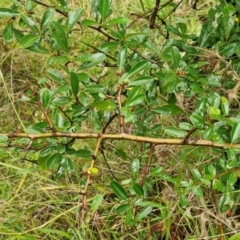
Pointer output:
129, 87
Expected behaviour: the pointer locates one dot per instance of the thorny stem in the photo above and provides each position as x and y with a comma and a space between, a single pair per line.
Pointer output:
124, 136
88, 181
148, 163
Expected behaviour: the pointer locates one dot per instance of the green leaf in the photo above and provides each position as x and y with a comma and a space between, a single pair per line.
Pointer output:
42, 161
28, 5
175, 132
185, 184
97, 88
85, 98
123, 208
136, 96
121, 153
63, 3
183, 201
54, 74
138, 189
156, 171
104, 7
107, 105
108, 46
147, 210
6, 12
34, 129
73, 18
51, 232
95, 8
214, 80
54, 159
232, 179
3, 139
235, 237
28, 40
119, 190
96, 202
235, 132
67, 164
29, 22
225, 202
173, 30
225, 106
74, 83
197, 175
208, 133
212, 170
45, 97
228, 19
137, 68
122, 57
82, 153
197, 119
8, 33
143, 80
83, 77
90, 60
46, 151
185, 126
128, 114
170, 109
175, 57
59, 35
62, 60
47, 17
36, 47
232, 163
218, 185
88, 22
59, 120
197, 191
61, 101
135, 166
119, 20
96, 58
129, 217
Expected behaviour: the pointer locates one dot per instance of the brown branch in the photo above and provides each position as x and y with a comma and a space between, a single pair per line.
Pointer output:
99, 29
148, 163
154, 14
88, 181
46, 115
186, 139
68, 118
124, 136
109, 122
173, 10
145, 58
105, 160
